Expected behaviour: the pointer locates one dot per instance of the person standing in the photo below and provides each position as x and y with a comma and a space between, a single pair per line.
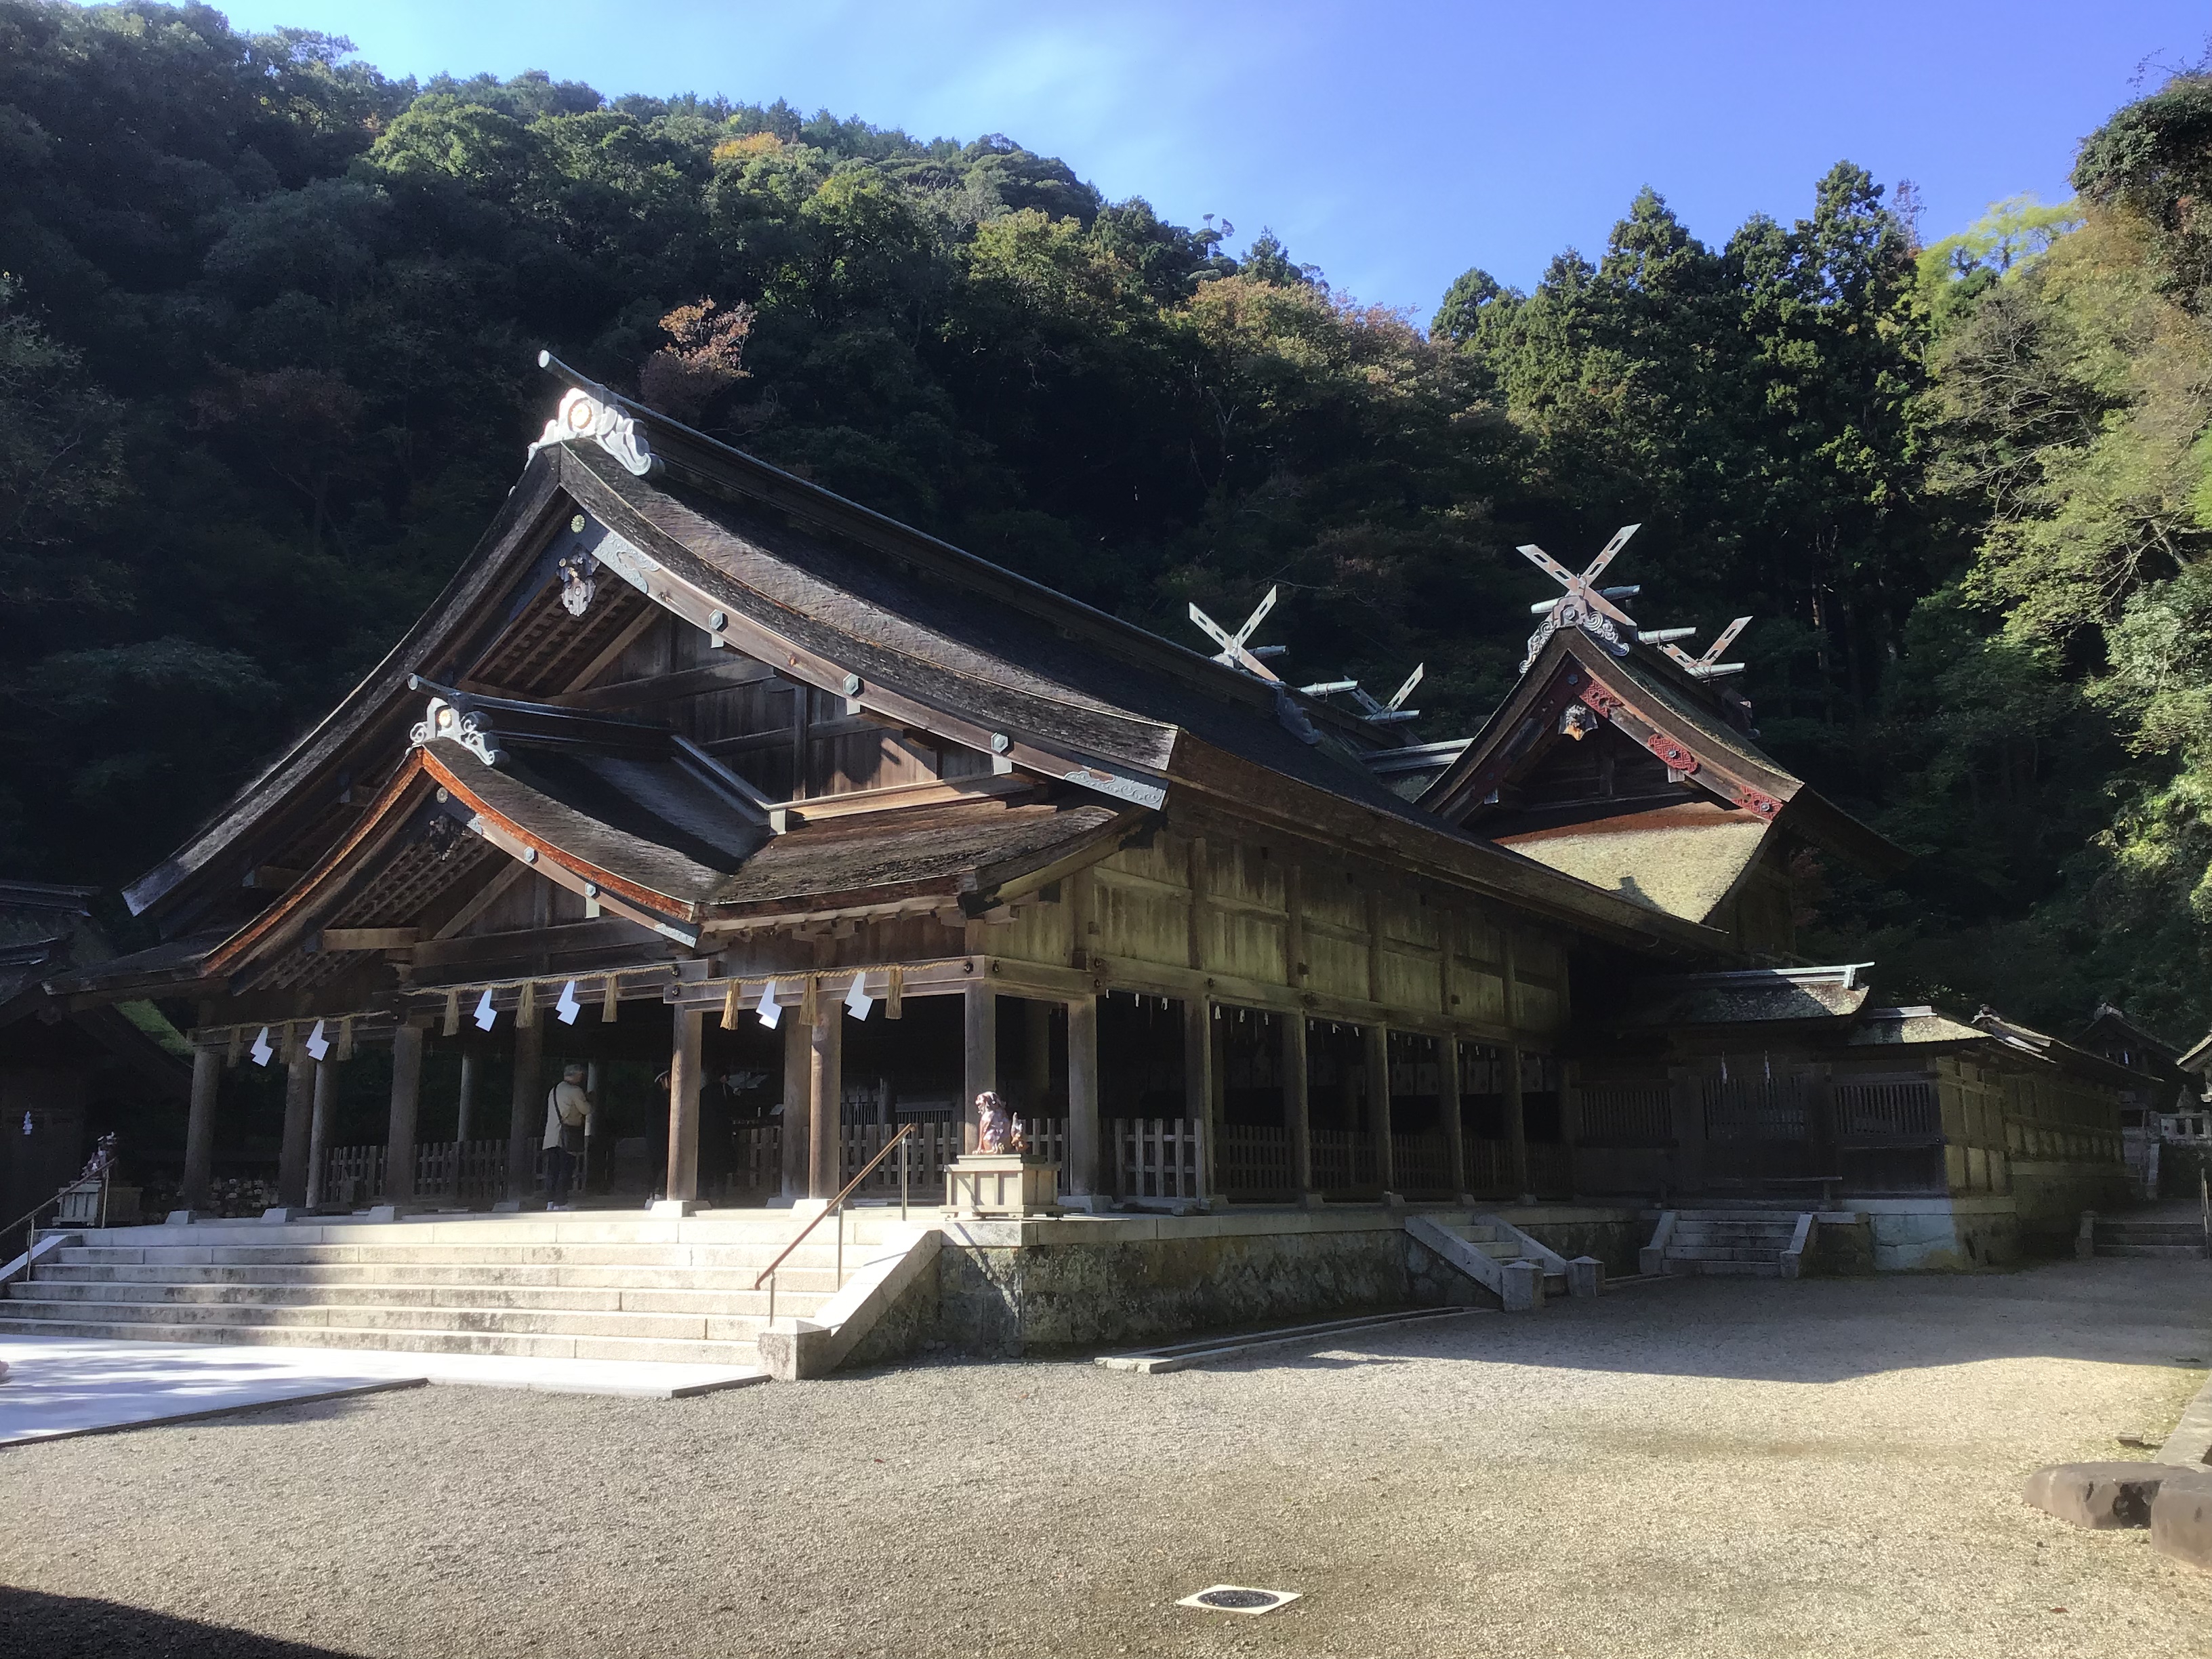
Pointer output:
566, 1108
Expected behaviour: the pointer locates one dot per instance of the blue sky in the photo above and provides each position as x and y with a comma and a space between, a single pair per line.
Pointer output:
1392, 144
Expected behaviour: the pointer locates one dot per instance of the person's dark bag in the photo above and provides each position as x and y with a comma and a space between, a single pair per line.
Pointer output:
572, 1134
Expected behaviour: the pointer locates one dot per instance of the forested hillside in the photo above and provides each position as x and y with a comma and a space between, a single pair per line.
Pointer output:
266, 343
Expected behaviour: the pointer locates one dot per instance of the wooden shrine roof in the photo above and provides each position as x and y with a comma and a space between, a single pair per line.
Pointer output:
1682, 860
1678, 719
913, 632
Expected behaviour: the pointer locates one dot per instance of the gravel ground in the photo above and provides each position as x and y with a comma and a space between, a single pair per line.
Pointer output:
1722, 1467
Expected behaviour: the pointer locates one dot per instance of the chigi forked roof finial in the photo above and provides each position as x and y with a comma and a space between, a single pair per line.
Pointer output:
1584, 605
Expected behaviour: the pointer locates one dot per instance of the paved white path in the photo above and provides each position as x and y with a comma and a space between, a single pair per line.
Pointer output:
76, 1386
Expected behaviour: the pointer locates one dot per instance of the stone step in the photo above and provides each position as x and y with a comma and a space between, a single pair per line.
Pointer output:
399, 1341
2150, 1233
600, 1253
1738, 1269
802, 1279
2176, 1252
758, 1227
1771, 1218
551, 1298
502, 1322
1680, 1252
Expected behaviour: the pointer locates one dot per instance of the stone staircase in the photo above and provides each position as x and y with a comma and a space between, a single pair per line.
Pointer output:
1743, 1243
1502, 1245
2118, 1235
572, 1287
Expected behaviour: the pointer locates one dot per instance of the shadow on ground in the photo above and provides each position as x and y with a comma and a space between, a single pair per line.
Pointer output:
79, 1627
2135, 1313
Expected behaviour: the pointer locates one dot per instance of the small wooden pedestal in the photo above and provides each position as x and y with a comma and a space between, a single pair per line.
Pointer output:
1001, 1183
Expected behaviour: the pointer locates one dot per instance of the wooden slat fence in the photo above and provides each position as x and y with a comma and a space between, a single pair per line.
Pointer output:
757, 1159
1157, 1157
1636, 1113
1421, 1163
1888, 1109
462, 1172
1343, 1159
1253, 1157
1754, 1107
1489, 1168
353, 1175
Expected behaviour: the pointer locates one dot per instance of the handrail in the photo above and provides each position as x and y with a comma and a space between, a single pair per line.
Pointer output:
835, 1205
61, 1192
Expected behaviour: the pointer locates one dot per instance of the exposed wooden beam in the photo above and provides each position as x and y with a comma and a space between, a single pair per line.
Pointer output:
662, 688
369, 938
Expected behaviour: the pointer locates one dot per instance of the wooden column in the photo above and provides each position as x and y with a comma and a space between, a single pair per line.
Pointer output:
200, 1126
1037, 1057
981, 1007
1377, 1037
825, 1093
1516, 1126
592, 1153
798, 1066
1297, 1109
684, 1081
298, 1121
1198, 1083
1082, 1164
1447, 1104
472, 1074
526, 1115
318, 1129
406, 1100
1571, 1118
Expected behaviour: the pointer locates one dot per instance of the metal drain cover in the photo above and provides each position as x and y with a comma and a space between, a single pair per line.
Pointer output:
1239, 1598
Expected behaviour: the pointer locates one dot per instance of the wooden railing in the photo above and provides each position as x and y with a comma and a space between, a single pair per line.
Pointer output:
1421, 1163
1343, 1159
1888, 1109
1157, 1157
1628, 1113
1253, 1157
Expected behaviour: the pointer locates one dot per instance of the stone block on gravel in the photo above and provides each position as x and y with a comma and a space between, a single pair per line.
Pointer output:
2181, 1516
2115, 1494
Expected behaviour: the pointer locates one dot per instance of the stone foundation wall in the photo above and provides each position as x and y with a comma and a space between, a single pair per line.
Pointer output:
1941, 1235
1004, 1288
2051, 1197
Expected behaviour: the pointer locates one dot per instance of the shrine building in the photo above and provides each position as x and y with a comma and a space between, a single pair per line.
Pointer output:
695, 768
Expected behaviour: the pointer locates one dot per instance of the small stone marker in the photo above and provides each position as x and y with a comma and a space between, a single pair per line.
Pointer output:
2181, 1516
2101, 1495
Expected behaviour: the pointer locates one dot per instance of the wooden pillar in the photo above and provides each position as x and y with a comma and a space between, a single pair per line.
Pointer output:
1037, 1057
406, 1100
1516, 1126
526, 1115
1083, 1164
798, 1066
592, 1152
1570, 1119
981, 1008
825, 1092
318, 1130
1198, 1083
1448, 1105
200, 1126
684, 1081
1377, 1037
299, 1117
1297, 1109
472, 1074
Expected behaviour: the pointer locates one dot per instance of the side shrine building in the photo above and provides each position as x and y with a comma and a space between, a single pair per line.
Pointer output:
696, 764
